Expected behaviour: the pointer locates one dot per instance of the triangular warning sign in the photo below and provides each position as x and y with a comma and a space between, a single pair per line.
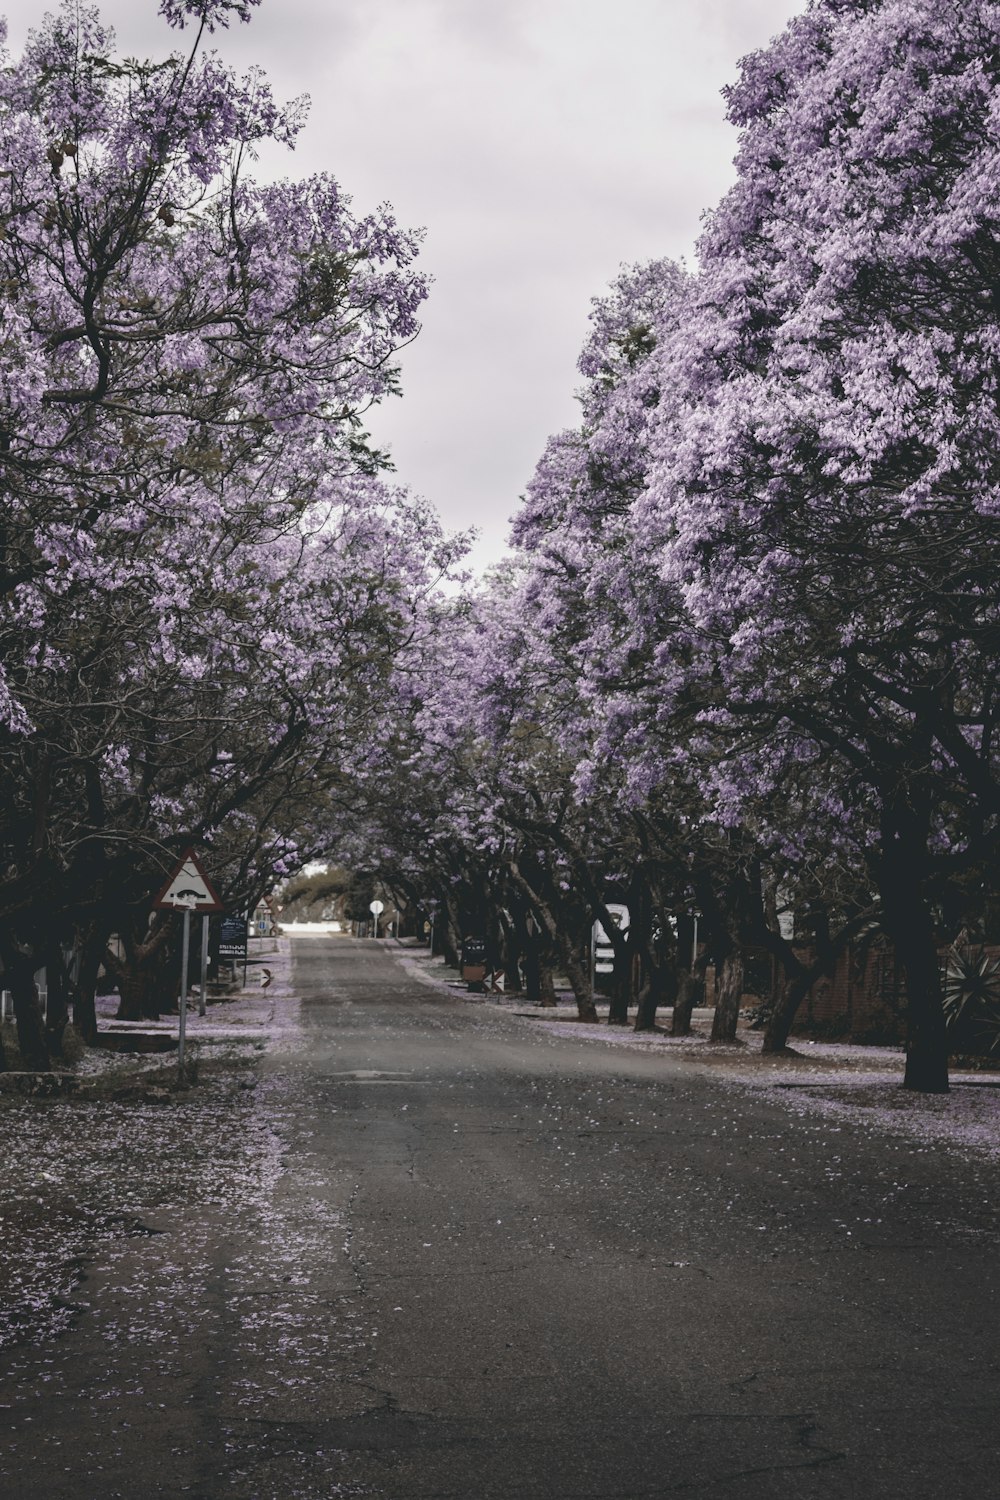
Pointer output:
189, 888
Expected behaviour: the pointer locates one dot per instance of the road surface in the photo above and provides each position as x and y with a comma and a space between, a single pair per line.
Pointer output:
483, 1262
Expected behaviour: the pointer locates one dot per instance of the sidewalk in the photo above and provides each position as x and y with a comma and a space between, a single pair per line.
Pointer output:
86, 1175
235, 1024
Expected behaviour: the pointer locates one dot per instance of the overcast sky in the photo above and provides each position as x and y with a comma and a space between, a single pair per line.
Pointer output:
541, 143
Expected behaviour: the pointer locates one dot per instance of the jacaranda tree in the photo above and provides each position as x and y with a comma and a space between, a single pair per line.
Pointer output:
196, 566
825, 491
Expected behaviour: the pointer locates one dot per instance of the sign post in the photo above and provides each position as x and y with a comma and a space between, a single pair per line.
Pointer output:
188, 890
182, 1021
376, 908
203, 997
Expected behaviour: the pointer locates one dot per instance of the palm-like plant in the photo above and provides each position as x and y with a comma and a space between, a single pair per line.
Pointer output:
972, 997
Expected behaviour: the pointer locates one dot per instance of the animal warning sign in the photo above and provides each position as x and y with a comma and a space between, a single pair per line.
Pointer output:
189, 888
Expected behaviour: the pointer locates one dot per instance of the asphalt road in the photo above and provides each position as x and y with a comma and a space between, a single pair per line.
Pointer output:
494, 1264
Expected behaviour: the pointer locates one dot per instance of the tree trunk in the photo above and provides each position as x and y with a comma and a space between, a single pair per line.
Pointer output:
450, 935
656, 992
579, 979
555, 939
85, 993
626, 987
690, 990
783, 1013
907, 922
927, 1036
621, 985
511, 954
619, 998
512, 981
31, 1043
545, 984
146, 975
689, 983
147, 987
532, 975
57, 1008
729, 993
134, 1002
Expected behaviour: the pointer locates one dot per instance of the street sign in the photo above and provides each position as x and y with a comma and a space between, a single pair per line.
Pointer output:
376, 908
189, 888
602, 951
233, 938
620, 917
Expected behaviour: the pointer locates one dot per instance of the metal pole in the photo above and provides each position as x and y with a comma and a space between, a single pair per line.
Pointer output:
694, 944
203, 997
185, 951
593, 958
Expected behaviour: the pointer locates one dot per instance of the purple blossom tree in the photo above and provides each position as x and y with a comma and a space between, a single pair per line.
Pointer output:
194, 552
824, 493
